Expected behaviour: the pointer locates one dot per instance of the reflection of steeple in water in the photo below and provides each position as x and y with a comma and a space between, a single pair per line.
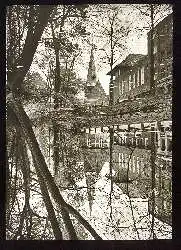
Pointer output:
91, 178
94, 160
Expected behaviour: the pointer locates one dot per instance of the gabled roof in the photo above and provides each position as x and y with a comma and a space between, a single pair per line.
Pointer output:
129, 61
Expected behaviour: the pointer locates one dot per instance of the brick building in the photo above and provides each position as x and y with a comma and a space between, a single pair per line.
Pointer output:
163, 53
131, 76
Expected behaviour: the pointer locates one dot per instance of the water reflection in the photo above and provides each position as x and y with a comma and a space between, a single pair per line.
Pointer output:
121, 226
131, 163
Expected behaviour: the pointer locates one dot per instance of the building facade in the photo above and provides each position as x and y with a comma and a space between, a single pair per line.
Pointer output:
162, 53
132, 75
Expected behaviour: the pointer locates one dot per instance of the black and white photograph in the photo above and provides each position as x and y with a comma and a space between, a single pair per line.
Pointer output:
89, 122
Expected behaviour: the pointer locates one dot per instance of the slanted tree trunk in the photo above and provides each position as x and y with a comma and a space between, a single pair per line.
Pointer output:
38, 156
49, 207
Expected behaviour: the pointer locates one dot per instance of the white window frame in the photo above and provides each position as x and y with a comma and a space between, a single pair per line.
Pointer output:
134, 80
101, 142
126, 160
88, 142
123, 160
119, 157
138, 78
142, 75
155, 49
164, 204
146, 142
138, 164
123, 86
129, 83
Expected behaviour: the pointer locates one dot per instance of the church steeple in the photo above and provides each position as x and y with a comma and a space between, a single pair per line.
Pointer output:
94, 93
91, 76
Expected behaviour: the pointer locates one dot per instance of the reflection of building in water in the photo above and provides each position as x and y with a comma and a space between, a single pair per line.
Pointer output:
91, 169
163, 189
134, 166
96, 138
131, 160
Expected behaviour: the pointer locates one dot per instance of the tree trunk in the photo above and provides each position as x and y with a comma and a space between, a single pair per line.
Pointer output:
49, 207
153, 155
37, 154
30, 47
152, 83
111, 130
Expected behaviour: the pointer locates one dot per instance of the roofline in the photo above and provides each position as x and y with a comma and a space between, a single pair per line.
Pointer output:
126, 66
156, 26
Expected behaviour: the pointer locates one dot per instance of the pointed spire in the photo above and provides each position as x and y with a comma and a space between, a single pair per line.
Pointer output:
91, 76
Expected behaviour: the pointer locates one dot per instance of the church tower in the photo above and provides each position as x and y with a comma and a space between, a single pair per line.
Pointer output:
91, 76
94, 92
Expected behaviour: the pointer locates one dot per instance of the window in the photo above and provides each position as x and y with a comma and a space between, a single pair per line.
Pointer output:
96, 142
164, 204
155, 49
134, 79
141, 142
138, 78
121, 83
101, 142
138, 164
119, 157
126, 160
88, 142
133, 163
146, 142
123, 86
142, 75
129, 82
123, 160
142, 162
163, 144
